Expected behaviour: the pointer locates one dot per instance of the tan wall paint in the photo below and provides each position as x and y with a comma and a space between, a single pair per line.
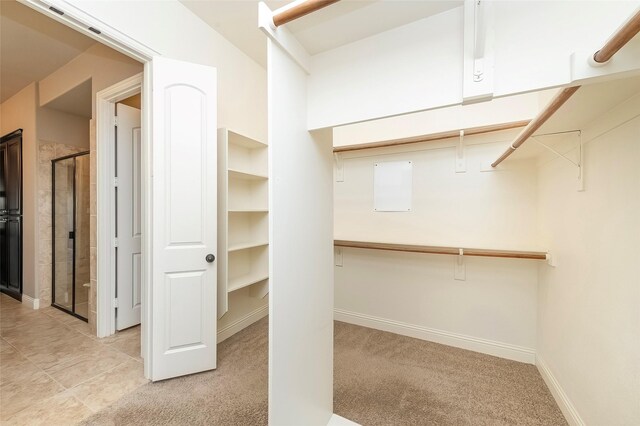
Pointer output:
104, 67
20, 111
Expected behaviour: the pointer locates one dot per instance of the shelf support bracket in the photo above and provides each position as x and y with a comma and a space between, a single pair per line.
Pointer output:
460, 269
579, 164
461, 160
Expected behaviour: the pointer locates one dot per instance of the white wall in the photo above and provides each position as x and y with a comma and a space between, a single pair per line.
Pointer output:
494, 309
588, 317
300, 254
20, 112
419, 66
242, 84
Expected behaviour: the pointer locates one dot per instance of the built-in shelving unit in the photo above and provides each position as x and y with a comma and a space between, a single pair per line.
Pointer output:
243, 216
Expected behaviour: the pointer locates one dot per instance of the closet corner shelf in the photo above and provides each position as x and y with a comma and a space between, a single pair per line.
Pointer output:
237, 174
248, 210
245, 281
247, 245
244, 141
455, 251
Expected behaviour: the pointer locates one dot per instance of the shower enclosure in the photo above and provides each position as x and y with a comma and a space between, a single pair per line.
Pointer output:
70, 220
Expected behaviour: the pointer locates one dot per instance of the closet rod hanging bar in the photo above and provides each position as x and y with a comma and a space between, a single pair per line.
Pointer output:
537, 122
433, 136
455, 251
621, 37
300, 10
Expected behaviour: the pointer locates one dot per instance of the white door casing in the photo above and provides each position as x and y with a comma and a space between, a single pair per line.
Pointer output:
128, 213
184, 224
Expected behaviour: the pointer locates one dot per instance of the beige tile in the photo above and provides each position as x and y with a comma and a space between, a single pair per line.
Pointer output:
108, 387
5, 347
94, 260
45, 232
33, 387
61, 409
81, 368
16, 317
46, 152
127, 341
44, 250
44, 176
58, 315
56, 348
93, 295
8, 303
81, 327
16, 369
93, 231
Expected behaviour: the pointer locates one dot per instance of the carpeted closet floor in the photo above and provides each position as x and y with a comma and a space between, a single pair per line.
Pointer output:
380, 379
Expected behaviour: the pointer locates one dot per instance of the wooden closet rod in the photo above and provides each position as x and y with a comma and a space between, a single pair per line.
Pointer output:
433, 136
535, 124
454, 251
300, 10
621, 37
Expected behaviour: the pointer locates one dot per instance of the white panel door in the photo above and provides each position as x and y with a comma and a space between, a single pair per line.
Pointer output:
129, 233
184, 219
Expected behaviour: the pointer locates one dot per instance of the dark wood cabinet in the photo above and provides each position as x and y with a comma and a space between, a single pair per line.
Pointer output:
11, 214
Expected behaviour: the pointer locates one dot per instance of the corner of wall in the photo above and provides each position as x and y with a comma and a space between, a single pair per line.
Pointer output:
562, 399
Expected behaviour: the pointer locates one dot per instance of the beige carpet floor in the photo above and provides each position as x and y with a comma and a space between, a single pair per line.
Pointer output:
380, 379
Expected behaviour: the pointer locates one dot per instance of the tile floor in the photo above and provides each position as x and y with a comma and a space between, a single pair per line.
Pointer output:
53, 371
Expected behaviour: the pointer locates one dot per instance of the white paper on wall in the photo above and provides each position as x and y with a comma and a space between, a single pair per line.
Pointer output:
392, 186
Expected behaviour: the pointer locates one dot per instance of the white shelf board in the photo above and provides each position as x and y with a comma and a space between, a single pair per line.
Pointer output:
245, 142
247, 245
238, 174
248, 210
246, 280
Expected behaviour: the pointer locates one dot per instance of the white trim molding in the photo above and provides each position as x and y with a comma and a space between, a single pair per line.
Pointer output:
489, 347
242, 323
105, 168
30, 302
562, 399
73, 17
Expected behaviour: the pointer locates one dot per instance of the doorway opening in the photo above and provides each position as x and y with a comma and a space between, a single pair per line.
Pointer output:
128, 203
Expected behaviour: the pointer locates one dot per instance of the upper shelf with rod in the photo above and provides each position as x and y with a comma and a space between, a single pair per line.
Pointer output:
453, 251
565, 99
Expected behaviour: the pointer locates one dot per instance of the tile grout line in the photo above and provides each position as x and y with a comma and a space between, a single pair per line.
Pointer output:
65, 389
69, 391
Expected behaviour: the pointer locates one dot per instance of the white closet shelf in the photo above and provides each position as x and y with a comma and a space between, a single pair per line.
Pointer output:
246, 280
238, 174
245, 142
248, 210
247, 245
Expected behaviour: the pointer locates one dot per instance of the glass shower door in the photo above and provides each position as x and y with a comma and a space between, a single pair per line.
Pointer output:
70, 211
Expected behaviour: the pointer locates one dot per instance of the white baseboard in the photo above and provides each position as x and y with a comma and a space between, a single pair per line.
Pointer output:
490, 347
242, 323
562, 399
337, 420
30, 302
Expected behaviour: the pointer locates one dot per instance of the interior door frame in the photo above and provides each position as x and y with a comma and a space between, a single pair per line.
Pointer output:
106, 101
69, 15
